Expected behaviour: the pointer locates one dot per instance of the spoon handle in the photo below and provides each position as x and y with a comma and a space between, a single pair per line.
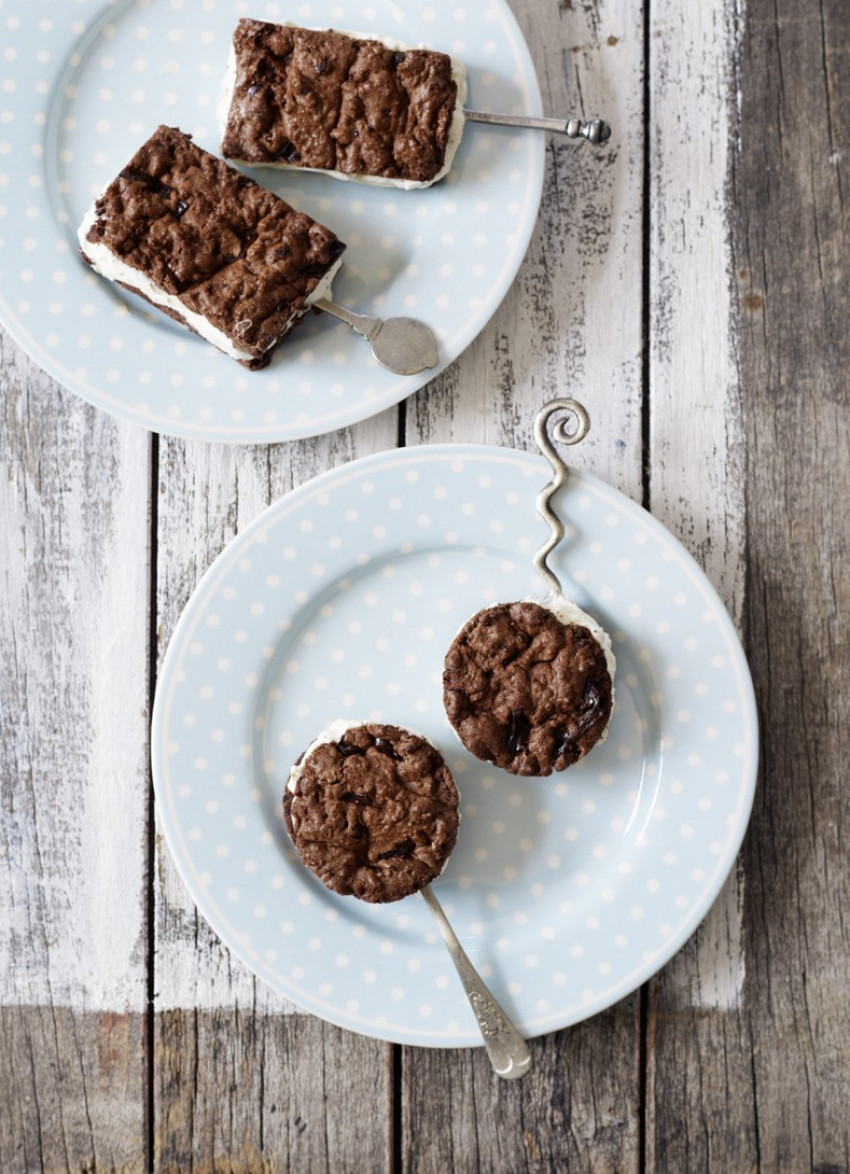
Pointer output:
594, 130
575, 411
509, 1053
364, 325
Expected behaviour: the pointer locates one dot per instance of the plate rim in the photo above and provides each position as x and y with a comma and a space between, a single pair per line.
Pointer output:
257, 432
746, 788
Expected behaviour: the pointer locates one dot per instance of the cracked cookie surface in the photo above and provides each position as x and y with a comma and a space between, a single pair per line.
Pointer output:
525, 691
224, 247
373, 813
323, 99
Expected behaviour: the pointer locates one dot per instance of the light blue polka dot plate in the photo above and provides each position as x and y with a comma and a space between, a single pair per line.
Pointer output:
340, 601
85, 82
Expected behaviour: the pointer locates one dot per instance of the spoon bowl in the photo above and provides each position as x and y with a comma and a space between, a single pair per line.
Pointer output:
404, 346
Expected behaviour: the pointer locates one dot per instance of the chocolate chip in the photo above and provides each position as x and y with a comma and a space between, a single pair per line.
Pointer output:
566, 746
288, 152
592, 703
385, 747
356, 797
347, 749
321, 67
568, 739
518, 732
396, 59
247, 238
403, 851
151, 182
182, 207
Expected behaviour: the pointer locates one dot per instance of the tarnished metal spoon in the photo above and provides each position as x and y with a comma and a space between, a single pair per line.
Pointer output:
404, 346
591, 130
509, 1054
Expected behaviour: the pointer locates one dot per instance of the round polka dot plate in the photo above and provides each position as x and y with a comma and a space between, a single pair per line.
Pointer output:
84, 84
340, 601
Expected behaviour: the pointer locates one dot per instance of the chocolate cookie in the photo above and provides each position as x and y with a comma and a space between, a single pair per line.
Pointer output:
372, 810
209, 246
343, 104
525, 690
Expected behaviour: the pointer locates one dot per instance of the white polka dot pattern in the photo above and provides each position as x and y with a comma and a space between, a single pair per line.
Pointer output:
81, 91
340, 601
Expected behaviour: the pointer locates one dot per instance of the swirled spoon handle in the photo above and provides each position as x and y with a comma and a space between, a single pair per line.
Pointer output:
509, 1053
571, 429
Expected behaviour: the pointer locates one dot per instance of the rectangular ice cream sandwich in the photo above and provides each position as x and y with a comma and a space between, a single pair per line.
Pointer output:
347, 104
210, 247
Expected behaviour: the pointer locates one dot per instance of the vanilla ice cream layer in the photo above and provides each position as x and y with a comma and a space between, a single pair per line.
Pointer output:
570, 613
455, 130
108, 265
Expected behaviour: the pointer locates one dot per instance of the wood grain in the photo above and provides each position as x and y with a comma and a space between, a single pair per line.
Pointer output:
249, 1092
577, 1109
761, 1083
791, 249
699, 1082
73, 1088
73, 768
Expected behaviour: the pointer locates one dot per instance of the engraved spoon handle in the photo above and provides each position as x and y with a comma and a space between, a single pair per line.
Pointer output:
509, 1054
593, 130
364, 325
577, 417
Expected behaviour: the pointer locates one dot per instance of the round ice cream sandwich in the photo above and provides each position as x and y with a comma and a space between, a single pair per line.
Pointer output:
530, 687
372, 810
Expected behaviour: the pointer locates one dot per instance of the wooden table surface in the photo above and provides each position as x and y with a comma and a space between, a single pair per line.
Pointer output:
689, 283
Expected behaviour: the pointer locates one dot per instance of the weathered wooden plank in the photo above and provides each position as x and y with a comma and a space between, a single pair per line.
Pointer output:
73, 1091
699, 1107
242, 1081
575, 1110
758, 1079
249, 1092
791, 238
572, 324
73, 765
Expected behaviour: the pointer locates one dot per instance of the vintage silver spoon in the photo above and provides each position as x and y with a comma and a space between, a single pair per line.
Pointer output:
404, 346
509, 1054
593, 130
